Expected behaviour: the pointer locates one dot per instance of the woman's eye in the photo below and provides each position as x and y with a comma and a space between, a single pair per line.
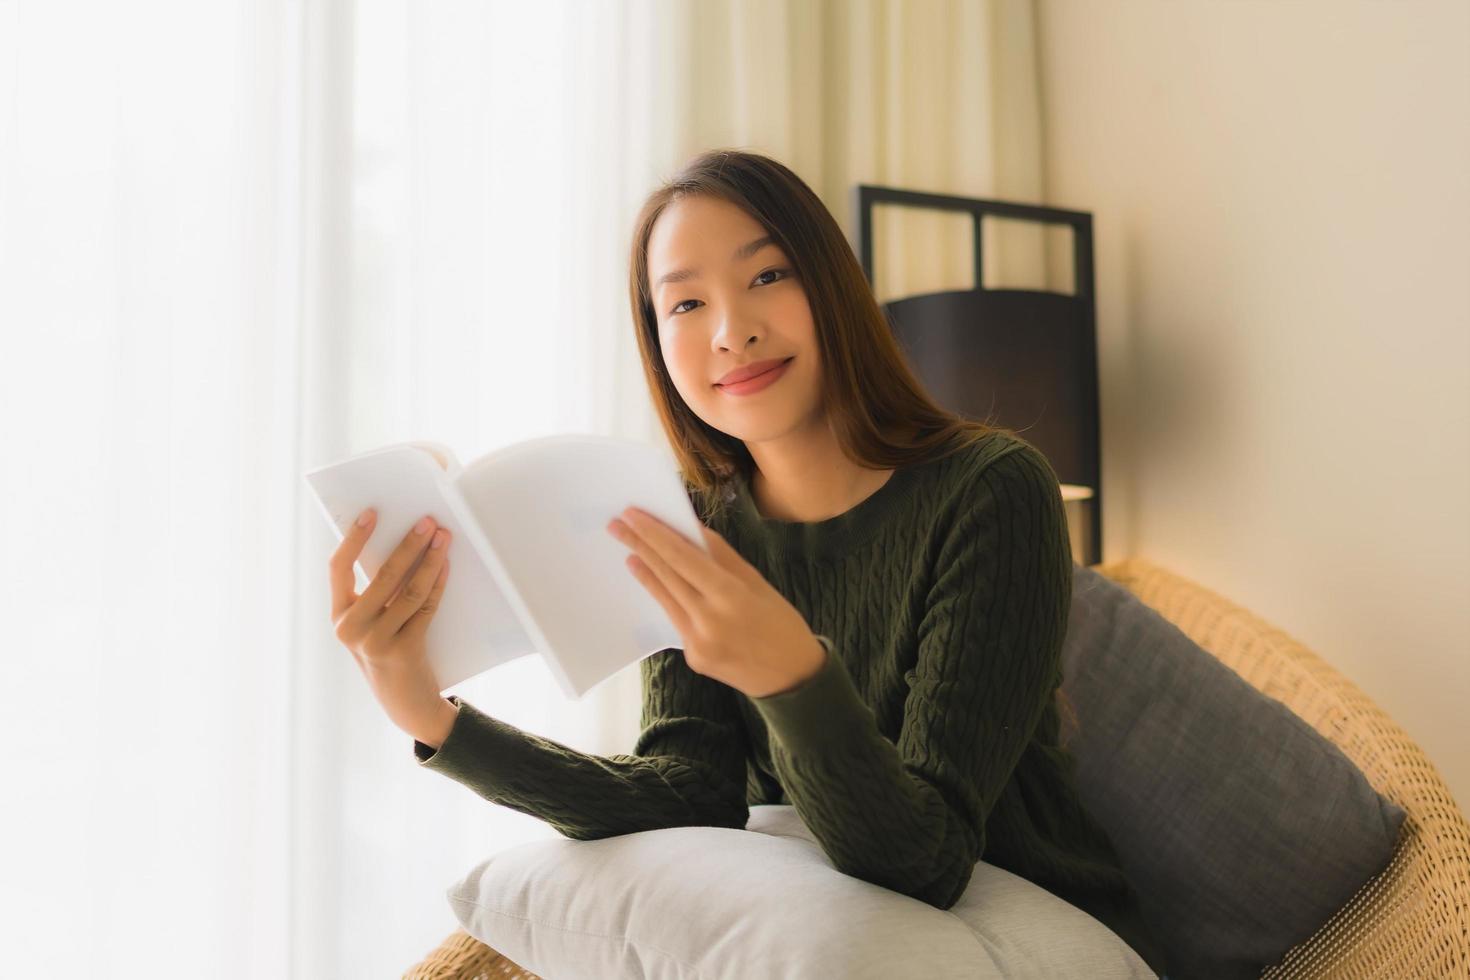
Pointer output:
782, 272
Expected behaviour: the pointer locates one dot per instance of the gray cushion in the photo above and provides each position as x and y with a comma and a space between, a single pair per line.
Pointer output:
714, 903
1242, 829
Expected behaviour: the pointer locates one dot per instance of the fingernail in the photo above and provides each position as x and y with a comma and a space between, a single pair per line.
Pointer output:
440, 536
422, 527
365, 518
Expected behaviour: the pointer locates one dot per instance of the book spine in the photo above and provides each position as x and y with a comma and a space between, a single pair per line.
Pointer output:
480, 541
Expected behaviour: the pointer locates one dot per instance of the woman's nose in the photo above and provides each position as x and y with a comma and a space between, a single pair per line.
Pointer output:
734, 332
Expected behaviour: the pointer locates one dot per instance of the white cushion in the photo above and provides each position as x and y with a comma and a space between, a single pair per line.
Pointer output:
701, 903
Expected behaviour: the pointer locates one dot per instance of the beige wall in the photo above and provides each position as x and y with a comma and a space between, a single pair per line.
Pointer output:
1281, 199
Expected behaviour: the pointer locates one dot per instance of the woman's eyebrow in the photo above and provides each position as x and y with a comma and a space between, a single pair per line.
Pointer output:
743, 252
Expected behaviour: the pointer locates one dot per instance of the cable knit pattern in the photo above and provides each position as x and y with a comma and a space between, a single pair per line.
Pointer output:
929, 738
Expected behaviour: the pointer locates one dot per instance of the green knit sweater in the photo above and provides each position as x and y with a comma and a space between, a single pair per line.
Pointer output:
927, 741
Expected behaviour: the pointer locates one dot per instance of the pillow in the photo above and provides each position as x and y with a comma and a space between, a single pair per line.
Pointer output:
715, 902
1242, 829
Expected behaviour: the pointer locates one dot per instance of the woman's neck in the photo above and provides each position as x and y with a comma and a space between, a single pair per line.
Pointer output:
826, 495
807, 478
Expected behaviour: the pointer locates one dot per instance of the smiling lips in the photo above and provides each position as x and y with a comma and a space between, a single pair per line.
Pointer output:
756, 382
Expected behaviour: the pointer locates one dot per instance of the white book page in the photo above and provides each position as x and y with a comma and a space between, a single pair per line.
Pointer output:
475, 627
546, 503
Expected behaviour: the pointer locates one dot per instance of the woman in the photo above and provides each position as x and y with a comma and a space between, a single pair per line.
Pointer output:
873, 634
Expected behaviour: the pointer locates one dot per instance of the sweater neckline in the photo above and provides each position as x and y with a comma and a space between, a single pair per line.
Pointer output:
830, 538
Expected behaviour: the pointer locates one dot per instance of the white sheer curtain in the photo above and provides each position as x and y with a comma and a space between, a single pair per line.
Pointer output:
239, 239
148, 419
480, 299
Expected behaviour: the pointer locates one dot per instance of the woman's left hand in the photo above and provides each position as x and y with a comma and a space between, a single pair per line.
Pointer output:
736, 627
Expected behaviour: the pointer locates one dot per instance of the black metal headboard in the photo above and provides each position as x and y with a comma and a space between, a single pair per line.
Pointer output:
1022, 359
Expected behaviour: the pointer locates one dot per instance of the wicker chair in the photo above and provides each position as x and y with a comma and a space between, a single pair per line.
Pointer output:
1411, 921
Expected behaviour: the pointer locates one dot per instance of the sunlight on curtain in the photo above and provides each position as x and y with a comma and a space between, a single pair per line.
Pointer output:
236, 241
147, 264
472, 317
455, 184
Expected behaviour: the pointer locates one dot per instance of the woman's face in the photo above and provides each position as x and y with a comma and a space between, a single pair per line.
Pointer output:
736, 303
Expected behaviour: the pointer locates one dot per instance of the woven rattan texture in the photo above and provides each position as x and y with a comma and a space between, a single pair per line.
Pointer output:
1410, 922
463, 957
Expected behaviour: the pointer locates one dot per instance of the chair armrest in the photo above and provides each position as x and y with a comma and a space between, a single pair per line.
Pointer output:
463, 957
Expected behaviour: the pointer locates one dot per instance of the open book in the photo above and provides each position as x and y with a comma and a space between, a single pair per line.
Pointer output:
532, 568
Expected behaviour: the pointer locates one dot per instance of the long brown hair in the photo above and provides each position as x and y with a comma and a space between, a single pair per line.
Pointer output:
881, 414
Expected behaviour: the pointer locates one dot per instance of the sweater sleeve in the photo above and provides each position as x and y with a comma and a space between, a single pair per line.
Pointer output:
911, 816
688, 767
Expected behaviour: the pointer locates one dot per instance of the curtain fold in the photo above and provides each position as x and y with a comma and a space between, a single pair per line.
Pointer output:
240, 239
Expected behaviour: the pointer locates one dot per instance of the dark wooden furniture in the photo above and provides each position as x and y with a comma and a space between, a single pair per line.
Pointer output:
1023, 359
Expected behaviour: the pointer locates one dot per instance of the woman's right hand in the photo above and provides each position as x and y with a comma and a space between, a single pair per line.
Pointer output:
384, 627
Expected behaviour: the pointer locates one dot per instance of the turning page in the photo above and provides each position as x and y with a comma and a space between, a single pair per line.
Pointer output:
544, 506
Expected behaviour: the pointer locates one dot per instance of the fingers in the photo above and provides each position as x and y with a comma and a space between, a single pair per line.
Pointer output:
730, 559
362, 611
391, 576
653, 560
418, 621
342, 560
665, 549
419, 589
677, 613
